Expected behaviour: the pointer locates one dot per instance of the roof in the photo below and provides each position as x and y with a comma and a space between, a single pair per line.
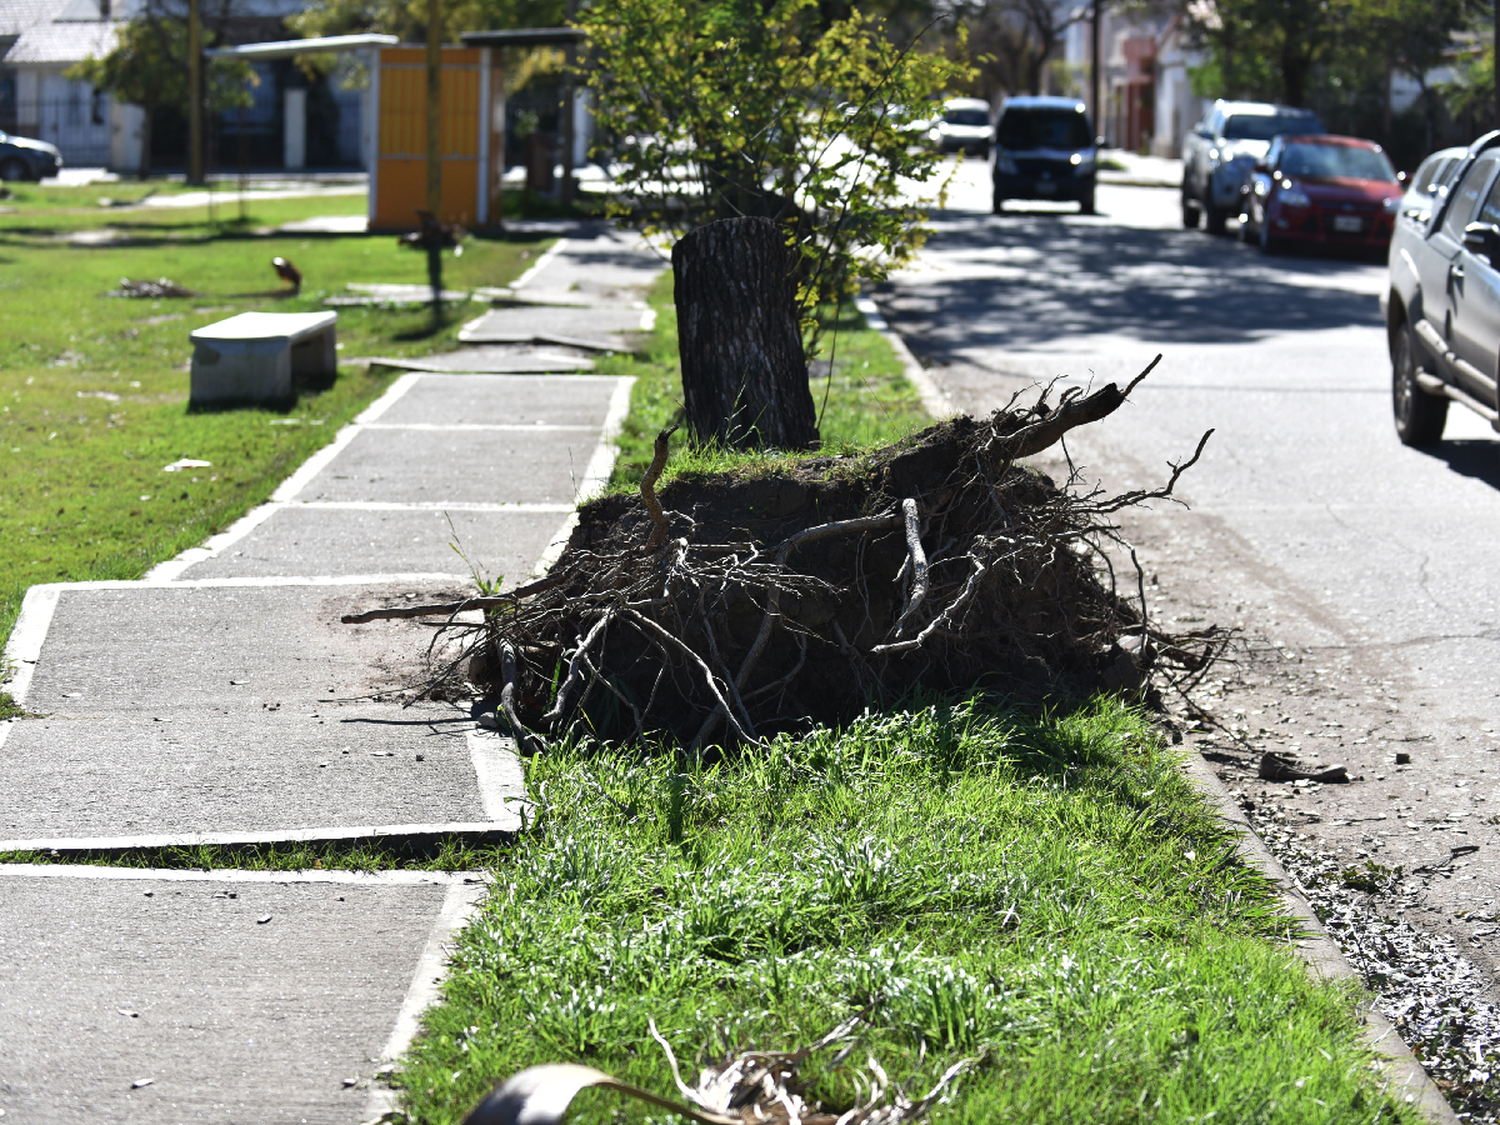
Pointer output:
1262, 109
1045, 102
524, 37
40, 38
45, 43
289, 48
1332, 139
18, 15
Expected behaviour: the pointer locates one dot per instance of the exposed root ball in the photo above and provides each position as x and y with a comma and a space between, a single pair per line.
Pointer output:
783, 598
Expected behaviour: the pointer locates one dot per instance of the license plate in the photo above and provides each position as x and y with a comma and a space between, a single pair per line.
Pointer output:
1046, 187
1348, 224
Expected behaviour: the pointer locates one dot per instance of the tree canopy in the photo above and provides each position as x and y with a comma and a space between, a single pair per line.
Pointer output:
727, 108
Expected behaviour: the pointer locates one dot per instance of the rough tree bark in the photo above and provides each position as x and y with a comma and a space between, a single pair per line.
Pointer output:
744, 374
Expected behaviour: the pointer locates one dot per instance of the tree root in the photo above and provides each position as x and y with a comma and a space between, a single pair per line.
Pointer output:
805, 596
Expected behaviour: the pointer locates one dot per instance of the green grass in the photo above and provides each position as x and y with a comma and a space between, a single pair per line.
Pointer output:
867, 402
93, 389
1048, 896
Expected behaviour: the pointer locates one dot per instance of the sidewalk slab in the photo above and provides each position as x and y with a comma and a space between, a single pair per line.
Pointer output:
252, 1000
184, 709
582, 400
496, 358
608, 267
449, 466
602, 329
345, 541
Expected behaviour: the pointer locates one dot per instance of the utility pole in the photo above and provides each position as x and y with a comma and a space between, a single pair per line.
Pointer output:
1096, 72
435, 154
195, 93
569, 139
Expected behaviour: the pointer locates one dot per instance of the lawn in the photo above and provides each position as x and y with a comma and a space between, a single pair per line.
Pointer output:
93, 388
1048, 897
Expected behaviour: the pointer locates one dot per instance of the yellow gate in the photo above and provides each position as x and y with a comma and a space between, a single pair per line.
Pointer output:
398, 188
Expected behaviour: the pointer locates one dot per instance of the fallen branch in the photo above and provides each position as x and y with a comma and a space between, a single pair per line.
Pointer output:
1071, 413
449, 609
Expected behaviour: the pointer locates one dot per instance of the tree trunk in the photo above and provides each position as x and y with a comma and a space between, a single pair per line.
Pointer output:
744, 374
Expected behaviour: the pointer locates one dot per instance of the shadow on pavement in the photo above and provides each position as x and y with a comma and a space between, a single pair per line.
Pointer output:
1470, 457
1050, 276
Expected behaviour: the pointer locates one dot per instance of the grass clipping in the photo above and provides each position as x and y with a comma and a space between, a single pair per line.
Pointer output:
739, 604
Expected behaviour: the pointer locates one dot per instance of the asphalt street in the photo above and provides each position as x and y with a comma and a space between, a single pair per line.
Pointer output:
1363, 574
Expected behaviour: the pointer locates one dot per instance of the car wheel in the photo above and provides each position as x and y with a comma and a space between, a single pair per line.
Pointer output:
1269, 243
1213, 219
1086, 205
984, 152
14, 169
1420, 417
1189, 216
997, 205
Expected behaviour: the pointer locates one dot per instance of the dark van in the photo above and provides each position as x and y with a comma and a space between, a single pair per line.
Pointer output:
1045, 149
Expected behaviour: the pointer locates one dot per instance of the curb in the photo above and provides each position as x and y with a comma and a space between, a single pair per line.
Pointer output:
1124, 179
934, 400
1322, 954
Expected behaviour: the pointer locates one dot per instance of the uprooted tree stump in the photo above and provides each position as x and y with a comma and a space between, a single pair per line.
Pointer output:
736, 605
744, 373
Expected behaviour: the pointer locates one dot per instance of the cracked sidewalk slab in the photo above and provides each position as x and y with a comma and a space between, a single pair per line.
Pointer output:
238, 997
182, 709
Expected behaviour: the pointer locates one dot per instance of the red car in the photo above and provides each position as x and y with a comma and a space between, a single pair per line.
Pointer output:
1334, 191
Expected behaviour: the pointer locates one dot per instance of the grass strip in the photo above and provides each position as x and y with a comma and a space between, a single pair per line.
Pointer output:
1049, 896
93, 389
857, 379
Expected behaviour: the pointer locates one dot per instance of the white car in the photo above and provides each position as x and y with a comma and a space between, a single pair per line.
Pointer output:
964, 124
1428, 186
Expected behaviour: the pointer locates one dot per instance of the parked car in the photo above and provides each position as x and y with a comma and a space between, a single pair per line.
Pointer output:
1336, 191
1429, 183
1217, 156
963, 125
1045, 149
1442, 302
22, 158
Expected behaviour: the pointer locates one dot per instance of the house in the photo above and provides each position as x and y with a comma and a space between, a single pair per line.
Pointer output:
1148, 100
39, 40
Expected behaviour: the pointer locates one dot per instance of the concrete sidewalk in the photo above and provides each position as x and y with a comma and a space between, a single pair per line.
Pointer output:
220, 700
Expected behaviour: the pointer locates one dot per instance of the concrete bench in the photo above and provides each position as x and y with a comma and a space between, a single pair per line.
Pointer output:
252, 357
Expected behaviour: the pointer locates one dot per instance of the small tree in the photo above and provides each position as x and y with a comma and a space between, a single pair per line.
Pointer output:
731, 109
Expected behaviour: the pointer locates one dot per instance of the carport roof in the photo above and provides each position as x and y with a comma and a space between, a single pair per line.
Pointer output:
525, 37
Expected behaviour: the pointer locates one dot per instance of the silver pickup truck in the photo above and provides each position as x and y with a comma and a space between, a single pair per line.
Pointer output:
1442, 303
1218, 155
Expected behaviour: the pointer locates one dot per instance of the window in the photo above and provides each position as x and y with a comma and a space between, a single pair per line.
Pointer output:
1023, 129
1336, 162
1490, 211
976, 117
1465, 198
1262, 127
